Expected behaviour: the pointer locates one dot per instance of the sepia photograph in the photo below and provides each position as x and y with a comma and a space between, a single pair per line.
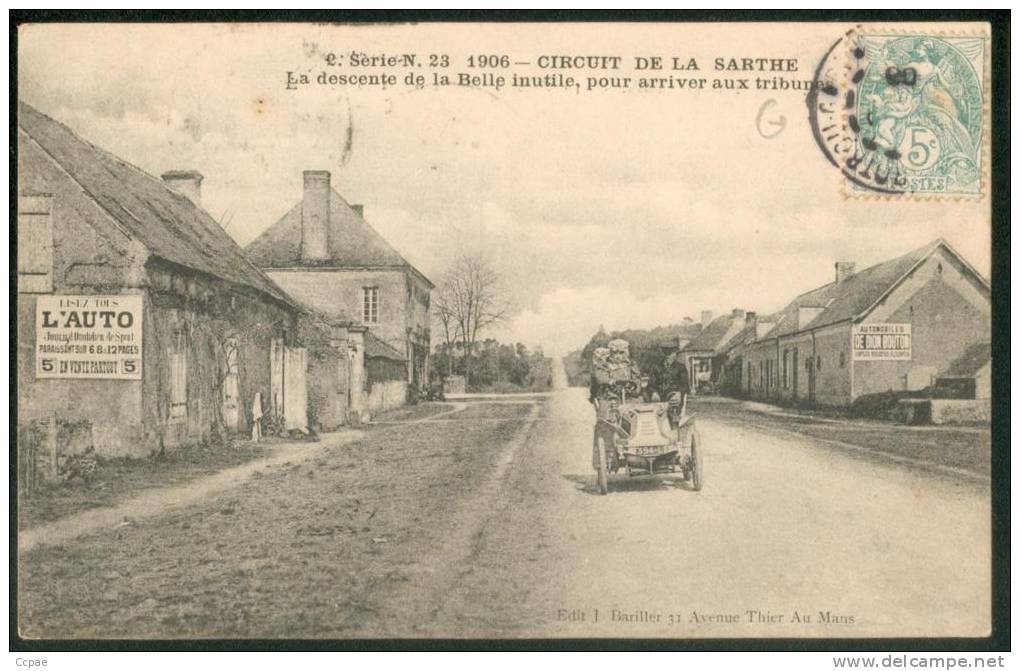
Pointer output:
526, 331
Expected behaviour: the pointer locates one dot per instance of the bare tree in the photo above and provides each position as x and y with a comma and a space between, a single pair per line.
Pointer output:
470, 298
442, 310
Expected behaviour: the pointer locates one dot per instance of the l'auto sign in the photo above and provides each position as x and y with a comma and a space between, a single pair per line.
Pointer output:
88, 337
889, 342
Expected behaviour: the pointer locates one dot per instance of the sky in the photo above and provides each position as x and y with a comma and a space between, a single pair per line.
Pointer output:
620, 208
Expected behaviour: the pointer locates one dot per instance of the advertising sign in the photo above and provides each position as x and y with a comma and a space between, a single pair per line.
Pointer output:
88, 337
890, 342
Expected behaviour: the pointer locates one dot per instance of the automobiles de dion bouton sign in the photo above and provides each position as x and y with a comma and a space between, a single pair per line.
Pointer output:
890, 342
89, 337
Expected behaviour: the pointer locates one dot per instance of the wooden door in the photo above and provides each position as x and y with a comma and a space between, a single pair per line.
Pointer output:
276, 378
231, 387
796, 371
295, 391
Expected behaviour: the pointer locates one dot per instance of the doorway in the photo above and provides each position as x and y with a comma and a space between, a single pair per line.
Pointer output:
796, 371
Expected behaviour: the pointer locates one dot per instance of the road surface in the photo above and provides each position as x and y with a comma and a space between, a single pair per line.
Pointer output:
782, 526
483, 522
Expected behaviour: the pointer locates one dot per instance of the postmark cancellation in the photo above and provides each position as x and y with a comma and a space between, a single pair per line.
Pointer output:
905, 113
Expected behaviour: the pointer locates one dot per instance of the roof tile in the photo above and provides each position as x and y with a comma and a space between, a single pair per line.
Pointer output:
353, 243
853, 296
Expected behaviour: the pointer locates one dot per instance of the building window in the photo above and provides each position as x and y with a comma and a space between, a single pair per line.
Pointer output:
35, 244
370, 305
786, 369
842, 359
818, 363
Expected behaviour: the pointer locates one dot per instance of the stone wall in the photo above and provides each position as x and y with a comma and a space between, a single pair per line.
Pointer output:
386, 395
955, 411
944, 411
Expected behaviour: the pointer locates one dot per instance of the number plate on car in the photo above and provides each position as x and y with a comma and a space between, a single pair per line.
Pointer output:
648, 451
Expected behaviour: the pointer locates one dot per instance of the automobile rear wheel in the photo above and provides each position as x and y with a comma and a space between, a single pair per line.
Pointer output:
602, 469
696, 461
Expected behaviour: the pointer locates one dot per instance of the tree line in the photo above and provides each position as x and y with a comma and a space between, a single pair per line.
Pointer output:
648, 348
496, 367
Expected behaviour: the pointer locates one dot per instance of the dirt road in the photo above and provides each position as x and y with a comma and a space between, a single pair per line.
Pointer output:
854, 547
483, 523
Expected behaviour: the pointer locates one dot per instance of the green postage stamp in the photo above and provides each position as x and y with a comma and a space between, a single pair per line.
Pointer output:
920, 108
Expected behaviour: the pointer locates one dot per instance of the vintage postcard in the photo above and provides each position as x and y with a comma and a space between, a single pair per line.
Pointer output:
504, 330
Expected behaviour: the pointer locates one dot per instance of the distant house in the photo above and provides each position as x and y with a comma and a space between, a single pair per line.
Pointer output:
324, 253
891, 327
200, 330
733, 371
702, 353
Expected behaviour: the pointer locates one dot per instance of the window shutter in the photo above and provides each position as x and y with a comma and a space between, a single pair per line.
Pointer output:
35, 244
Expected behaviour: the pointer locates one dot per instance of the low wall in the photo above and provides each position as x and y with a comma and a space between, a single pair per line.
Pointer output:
327, 389
954, 411
944, 411
387, 395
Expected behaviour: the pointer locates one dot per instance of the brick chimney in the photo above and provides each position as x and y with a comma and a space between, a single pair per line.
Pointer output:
738, 313
188, 183
844, 269
315, 216
359, 210
706, 318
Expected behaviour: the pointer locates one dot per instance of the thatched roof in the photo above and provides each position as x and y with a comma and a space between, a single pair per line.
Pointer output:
166, 223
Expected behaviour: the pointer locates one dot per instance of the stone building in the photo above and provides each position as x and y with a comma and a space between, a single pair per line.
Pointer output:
702, 353
892, 327
325, 254
138, 316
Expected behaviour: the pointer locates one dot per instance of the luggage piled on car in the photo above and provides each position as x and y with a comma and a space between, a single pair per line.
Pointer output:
618, 362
